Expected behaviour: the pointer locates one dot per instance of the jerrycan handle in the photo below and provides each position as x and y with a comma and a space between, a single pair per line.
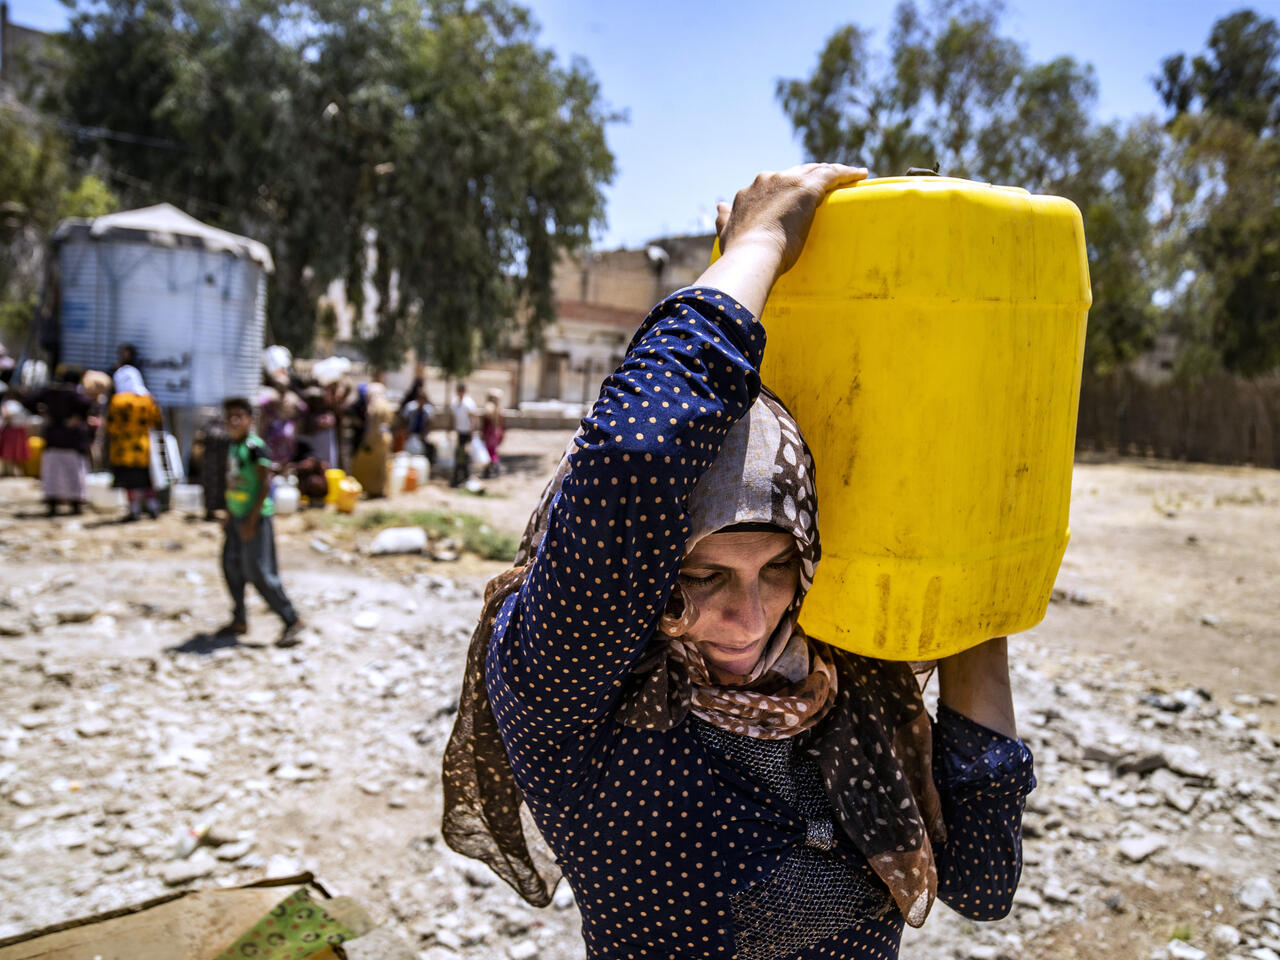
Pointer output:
924, 171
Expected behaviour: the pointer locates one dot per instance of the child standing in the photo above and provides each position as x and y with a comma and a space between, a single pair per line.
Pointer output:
249, 551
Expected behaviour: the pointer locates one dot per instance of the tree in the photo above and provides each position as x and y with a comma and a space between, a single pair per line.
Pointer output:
432, 157
37, 189
956, 93
1224, 252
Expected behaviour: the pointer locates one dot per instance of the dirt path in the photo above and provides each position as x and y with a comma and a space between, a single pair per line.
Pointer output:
127, 724
1177, 567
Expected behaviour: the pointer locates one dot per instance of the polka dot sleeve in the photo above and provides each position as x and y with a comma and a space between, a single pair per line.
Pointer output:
983, 779
562, 647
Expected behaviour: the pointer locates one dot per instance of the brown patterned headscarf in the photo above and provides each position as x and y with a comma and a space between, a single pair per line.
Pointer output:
762, 477
869, 728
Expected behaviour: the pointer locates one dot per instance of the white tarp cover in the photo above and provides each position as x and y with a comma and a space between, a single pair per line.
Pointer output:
164, 222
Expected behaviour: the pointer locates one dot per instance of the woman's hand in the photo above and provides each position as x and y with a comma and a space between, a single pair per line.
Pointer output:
975, 682
778, 208
763, 231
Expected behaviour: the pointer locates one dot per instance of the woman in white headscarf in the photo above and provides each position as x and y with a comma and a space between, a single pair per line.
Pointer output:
131, 416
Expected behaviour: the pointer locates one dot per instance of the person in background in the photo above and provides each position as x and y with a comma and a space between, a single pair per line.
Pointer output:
320, 420
97, 387
213, 443
355, 416
369, 458
131, 416
249, 550
126, 356
309, 471
464, 416
15, 447
64, 463
493, 427
415, 414
7, 366
279, 424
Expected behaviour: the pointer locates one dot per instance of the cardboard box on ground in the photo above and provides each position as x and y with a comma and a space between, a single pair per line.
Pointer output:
289, 918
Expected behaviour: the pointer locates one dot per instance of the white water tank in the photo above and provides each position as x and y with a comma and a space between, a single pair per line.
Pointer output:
189, 296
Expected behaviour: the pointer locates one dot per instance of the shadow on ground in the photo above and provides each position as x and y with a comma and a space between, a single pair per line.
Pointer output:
205, 643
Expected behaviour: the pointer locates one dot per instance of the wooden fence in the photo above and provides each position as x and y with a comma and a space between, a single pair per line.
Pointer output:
1220, 419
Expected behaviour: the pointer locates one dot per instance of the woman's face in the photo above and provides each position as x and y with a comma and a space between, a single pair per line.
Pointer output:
742, 583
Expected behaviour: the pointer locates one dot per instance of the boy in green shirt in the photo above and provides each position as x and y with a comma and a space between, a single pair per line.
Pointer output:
249, 551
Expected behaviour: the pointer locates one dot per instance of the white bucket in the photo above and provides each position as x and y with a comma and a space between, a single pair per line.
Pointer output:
187, 499
286, 499
102, 496
395, 480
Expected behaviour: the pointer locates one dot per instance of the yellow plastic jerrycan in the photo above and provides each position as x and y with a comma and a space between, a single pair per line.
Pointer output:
349, 491
333, 477
929, 343
35, 453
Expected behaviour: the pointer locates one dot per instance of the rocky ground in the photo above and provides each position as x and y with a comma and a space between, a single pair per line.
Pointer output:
139, 753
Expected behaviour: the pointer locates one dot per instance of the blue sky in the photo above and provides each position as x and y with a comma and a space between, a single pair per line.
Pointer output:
697, 79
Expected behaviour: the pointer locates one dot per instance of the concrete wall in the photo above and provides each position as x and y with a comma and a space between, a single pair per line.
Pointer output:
632, 279
601, 297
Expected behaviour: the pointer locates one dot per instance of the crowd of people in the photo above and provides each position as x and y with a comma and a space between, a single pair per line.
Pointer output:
89, 419
96, 421
297, 427
311, 424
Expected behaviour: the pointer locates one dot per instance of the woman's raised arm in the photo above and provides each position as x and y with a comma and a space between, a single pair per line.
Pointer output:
562, 647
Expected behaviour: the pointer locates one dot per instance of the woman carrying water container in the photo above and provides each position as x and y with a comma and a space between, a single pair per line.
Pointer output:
711, 781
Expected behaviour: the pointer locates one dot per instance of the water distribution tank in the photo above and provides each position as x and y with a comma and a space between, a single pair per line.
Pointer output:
929, 343
189, 296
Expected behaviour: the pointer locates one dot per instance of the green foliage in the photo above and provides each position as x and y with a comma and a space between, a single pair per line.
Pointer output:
1115, 190
1224, 178
432, 156
956, 92
37, 189
475, 535
15, 315
952, 91
1234, 79
89, 198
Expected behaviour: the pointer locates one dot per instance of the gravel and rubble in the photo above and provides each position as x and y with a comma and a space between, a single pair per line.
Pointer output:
139, 754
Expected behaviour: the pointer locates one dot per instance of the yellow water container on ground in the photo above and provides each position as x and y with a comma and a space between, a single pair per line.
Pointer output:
35, 452
333, 477
929, 343
349, 491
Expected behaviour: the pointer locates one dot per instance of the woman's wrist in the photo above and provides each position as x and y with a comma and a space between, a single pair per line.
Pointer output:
975, 683
746, 271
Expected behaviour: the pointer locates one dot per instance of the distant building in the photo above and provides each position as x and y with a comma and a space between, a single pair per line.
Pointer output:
600, 298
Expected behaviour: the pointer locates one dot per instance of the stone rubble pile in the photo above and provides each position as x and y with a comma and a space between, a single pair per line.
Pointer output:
1142, 793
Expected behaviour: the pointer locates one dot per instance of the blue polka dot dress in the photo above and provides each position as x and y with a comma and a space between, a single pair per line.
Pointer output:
697, 842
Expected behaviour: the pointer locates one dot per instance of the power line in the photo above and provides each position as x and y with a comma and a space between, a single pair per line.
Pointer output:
97, 133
